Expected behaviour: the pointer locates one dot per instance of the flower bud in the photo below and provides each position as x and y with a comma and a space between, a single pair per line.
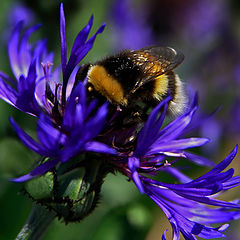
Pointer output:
72, 190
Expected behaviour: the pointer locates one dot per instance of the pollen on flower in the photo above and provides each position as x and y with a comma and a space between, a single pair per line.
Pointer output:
46, 67
131, 138
166, 164
76, 100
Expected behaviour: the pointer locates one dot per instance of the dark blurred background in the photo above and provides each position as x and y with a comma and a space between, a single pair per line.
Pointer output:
206, 31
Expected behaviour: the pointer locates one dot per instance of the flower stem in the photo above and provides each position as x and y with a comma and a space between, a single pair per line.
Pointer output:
37, 223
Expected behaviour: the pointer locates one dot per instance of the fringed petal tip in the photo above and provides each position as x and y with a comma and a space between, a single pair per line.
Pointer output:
223, 228
18, 26
195, 100
22, 179
133, 164
38, 171
164, 236
12, 121
235, 150
62, 15
100, 148
136, 179
63, 39
101, 29
90, 22
191, 199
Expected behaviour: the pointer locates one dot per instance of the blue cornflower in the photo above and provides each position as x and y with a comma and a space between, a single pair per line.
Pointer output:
183, 204
154, 146
35, 87
26, 67
79, 126
66, 122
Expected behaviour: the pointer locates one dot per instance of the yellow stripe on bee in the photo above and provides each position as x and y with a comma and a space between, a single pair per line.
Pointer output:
106, 85
161, 86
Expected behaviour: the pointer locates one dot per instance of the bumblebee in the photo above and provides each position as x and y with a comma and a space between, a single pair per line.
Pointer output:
145, 75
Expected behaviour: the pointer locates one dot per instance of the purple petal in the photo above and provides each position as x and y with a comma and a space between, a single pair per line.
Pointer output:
184, 204
149, 132
71, 82
177, 174
27, 84
7, 93
80, 49
210, 201
63, 39
163, 236
13, 50
96, 123
179, 222
38, 171
137, 181
7, 79
92, 105
75, 109
48, 135
20, 12
199, 160
23, 178
176, 127
99, 147
176, 145
82, 36
80, 52
80, 93
38, 53
134, 164
27, 140
221, 166
71, 149
91, 40
25, 55
26, 88
234, 182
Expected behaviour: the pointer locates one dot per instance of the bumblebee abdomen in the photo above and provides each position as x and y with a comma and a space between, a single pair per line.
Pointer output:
160, 87
177, 90
179, 102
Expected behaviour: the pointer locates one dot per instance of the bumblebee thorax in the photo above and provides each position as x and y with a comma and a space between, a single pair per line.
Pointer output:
106, 85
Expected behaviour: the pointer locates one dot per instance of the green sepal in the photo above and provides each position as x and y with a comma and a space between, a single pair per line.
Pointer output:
42, 187
71, 184
71, 190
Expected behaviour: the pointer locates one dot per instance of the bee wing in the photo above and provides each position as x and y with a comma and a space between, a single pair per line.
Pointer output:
166, 57
156, 61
